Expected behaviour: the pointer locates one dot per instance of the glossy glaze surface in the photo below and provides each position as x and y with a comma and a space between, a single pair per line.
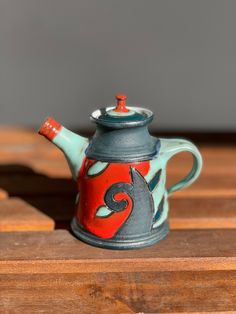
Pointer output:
122, 199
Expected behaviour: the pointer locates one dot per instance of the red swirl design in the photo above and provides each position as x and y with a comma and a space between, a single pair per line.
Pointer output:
92, 192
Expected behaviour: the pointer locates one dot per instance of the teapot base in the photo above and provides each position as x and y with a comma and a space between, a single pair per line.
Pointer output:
121, 243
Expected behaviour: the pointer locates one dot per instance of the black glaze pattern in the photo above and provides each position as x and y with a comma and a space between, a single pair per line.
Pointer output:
140, 219
137, 231
114, 189
160, 210
155, 180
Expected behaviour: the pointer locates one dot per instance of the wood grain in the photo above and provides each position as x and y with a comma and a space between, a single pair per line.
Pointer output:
207, 186
17, 215
149, 292
60, 252
202, 213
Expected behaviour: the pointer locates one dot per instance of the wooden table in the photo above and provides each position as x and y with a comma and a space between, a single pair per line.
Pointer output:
44, 269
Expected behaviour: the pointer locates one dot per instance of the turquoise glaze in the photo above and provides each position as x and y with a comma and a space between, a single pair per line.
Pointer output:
73, 147
171, 147
113, 113
98, 167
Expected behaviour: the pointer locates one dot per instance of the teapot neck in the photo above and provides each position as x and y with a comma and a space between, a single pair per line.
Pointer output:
122, 145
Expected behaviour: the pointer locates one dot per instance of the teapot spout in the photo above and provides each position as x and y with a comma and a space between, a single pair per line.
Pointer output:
72, 145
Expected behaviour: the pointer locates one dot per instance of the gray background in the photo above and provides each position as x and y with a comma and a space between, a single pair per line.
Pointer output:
65, 58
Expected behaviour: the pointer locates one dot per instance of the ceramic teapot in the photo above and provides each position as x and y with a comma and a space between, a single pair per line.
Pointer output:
122, 200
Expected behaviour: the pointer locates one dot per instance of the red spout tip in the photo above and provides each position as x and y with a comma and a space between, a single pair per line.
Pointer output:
50, 128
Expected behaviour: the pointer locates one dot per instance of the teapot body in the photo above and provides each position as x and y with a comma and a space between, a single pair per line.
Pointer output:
124, 204
121, 205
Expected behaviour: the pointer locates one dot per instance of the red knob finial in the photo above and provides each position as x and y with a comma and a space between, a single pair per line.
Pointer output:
121, 107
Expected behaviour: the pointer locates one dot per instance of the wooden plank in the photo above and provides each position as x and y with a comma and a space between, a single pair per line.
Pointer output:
200, 213
23, 151
17, 215
36, 184
22, 185
149, 292
185, 213
26, 146
49, 152
54, 165
60, 252
16, 135
207, 186
46, 159
3, 194
55, 168
179, 165
218, 178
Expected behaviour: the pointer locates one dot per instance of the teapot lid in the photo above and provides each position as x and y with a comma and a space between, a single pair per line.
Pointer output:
122, 134
122, 116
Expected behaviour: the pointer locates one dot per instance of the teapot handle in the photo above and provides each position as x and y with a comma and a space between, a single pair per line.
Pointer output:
171, 147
